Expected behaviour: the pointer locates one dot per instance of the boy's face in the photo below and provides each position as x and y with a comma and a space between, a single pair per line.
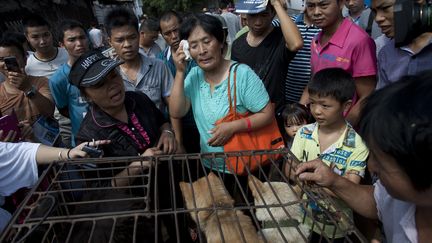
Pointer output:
327, 110
384, 16
75, 42
324, 13
394, 179
125, 40
40, 38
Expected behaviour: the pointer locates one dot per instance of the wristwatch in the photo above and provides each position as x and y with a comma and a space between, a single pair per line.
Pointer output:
29, 94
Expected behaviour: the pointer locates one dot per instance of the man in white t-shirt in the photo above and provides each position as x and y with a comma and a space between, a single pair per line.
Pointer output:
96, 36
18, 166
232, 21
45, 61
46, 58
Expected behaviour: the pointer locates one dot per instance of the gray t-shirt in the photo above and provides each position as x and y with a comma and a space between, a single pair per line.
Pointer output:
363, 21
154, 79
233, 24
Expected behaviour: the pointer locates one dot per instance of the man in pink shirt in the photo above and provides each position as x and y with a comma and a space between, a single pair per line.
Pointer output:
342, 44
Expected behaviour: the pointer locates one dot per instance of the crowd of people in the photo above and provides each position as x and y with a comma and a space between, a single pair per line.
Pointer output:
347, 100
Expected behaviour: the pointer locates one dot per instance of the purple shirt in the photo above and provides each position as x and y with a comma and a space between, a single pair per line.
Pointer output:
394, 63
350, 48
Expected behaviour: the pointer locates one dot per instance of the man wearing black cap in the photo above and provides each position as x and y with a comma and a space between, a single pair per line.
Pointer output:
129, 119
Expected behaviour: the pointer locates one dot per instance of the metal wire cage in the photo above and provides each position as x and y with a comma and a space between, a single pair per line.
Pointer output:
178, 198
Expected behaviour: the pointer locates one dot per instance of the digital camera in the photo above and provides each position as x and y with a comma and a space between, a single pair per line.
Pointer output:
411, 20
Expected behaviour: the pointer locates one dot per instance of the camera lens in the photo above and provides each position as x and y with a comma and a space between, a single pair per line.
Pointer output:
411, 20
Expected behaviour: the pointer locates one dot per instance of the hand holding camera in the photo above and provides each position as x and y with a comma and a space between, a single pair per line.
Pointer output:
16, 76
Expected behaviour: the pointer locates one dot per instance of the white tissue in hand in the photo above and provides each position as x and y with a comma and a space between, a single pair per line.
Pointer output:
185, 46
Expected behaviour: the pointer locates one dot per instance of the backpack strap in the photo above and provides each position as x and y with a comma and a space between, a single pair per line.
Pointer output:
370, 23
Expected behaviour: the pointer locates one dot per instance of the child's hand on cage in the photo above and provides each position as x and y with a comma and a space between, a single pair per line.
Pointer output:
316, 171
222, 133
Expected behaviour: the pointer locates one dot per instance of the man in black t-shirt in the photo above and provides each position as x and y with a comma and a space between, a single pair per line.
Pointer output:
267, 49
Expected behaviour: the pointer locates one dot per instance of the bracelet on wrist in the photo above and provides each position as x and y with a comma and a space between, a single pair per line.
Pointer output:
169, 131
249, 124
68, 154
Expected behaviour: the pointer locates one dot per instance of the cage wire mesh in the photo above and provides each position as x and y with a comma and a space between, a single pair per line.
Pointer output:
180, 198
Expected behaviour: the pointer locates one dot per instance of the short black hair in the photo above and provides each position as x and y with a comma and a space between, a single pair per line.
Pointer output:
210, 25
10, 42
398, 121
167, 15
34, 20
333, 82
120, 17
149, 25
17, 36
296, 112
68, 24
223, 4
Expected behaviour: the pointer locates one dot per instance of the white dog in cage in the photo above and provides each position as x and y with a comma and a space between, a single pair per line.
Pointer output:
215, 212
288, 220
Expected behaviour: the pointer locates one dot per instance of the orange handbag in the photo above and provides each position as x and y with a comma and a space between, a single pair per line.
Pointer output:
264, 138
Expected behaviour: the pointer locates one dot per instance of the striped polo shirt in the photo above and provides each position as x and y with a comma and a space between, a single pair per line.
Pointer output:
299, 69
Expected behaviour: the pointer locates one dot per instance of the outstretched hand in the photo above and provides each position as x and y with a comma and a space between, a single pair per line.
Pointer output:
77, 152
316, 171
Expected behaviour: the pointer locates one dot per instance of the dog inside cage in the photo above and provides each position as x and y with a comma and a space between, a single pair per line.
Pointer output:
178, 198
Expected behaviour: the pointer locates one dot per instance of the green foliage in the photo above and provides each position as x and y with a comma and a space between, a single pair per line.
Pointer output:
155, 7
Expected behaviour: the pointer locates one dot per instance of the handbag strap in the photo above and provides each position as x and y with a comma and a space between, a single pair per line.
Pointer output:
231, 105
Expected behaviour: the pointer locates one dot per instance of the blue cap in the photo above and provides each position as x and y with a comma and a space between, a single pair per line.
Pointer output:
251, 6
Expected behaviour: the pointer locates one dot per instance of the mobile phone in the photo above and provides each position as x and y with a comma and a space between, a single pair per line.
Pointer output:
92, 151
10, 123
12, 64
